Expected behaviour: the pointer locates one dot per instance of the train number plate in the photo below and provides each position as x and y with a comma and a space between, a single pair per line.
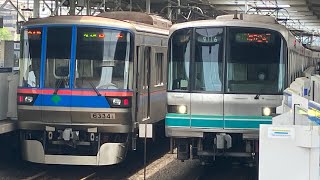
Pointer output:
103, 116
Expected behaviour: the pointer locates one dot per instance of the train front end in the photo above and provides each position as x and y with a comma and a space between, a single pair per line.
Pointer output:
75, 91
223, 82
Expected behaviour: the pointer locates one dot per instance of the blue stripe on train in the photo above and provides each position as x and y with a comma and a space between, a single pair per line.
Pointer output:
71, 101
205, 121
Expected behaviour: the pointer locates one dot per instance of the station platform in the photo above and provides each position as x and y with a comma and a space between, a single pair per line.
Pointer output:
289, 148
7, 125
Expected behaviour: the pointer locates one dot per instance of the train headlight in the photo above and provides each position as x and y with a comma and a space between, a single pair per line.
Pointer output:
116, 101
266, 111
28, 99
269, 111
182, 109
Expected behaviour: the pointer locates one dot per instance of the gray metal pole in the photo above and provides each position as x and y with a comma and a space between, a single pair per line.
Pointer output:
179, 4
148, 4
72, 11
169, 10
36, 7
104, 6
88, 8
56, 7
246, 7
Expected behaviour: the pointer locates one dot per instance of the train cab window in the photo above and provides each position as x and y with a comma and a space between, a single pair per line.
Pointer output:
31, 46
103, 59
159, 69
255, 62
208, 65
57, 73
179, 62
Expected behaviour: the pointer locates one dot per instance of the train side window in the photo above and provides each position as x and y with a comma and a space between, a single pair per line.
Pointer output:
137, 71
146, 64
208, 63
159, 69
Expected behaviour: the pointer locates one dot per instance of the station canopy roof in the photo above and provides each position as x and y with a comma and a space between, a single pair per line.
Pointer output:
297, 15
302, 16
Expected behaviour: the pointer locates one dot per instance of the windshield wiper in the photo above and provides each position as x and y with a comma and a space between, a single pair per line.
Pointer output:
60, 81
257, 96
56, 89
94, 88
260, 92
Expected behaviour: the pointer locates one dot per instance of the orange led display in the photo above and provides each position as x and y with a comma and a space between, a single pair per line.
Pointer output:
254, 37
34, 32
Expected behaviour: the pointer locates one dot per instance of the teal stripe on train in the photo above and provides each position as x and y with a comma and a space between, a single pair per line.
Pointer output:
208, 121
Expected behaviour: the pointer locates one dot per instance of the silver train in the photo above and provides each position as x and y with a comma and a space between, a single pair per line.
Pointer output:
225, 78
87, 84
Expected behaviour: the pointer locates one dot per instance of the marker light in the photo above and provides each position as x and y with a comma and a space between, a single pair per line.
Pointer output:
20, 99
266, 111
182, 109
126, 102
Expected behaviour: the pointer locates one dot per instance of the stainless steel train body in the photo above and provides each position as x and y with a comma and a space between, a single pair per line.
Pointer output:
87, 83
225, 78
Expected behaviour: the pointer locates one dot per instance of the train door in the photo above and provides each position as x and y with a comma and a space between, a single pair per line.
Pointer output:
146, 83
158, 95
57, 84
207, 79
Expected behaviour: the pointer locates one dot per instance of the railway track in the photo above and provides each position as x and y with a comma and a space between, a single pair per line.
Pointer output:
12, 168
161, 166
53, 175
227, 172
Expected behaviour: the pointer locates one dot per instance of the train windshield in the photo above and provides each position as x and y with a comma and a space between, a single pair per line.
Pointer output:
179, 62
30, 57
207, 67
58, 57
255, 62
208, 61
102, 59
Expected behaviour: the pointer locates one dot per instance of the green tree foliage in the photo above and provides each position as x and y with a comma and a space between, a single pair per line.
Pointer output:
5, 34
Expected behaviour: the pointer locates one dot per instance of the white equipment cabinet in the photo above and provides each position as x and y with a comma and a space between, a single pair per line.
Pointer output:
289, 152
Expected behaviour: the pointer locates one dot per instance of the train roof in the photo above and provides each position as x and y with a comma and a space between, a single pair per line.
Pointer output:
250, 20
241, 20
138, 17
135, 21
